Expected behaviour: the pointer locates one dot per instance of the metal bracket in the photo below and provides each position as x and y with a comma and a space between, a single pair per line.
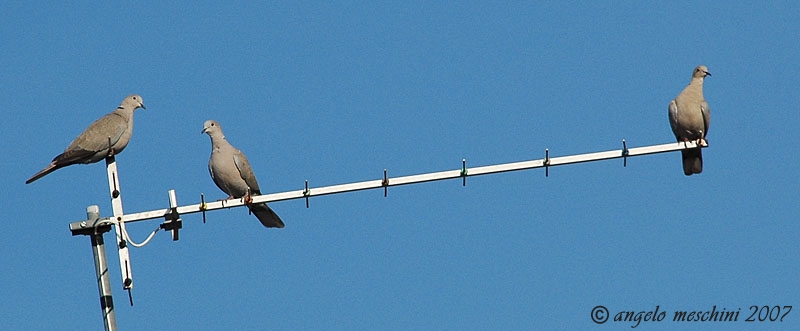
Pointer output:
173, 219
385, 184
546, 162
624, 153
90, 227
203, 206
464, 172
306, 193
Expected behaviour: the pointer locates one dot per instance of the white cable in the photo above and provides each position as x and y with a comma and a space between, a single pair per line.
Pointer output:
125, 235
128, 238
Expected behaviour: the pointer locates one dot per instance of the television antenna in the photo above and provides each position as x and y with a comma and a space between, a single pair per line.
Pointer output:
95, 226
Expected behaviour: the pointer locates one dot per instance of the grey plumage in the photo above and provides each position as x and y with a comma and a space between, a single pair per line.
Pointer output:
106, 136
231, 171
689, 116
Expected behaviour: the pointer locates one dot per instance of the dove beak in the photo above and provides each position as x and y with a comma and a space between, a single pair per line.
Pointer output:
204, 130
142, 105
708, 73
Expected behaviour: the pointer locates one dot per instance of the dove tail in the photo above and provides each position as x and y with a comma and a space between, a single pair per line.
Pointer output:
692, 161
267, 217
48, 169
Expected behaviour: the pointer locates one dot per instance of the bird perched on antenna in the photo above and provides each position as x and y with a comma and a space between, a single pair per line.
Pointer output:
689, 117
105, 137
230, 170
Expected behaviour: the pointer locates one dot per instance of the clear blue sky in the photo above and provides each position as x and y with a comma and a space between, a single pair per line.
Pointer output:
335, 93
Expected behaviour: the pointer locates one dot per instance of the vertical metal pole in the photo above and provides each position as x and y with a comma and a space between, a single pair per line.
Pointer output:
116, 205
101, 270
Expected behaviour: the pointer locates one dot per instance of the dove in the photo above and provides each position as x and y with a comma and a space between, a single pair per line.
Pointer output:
231, 171
106, 136
689, 117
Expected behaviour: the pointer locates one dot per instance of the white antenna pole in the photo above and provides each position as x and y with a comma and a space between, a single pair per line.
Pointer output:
101, 267
122, 244
463, 172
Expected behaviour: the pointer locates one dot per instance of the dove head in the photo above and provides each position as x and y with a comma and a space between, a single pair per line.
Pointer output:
700, 72
132, 102
212, 129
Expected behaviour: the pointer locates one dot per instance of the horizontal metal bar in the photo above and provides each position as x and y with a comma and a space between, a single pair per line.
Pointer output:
412, 179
